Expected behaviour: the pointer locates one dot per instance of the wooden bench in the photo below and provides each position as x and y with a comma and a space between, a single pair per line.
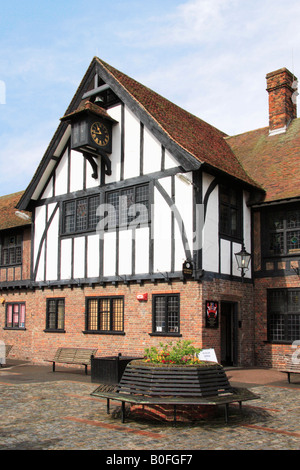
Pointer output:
203, 387
7, 351
291, 368
80, 356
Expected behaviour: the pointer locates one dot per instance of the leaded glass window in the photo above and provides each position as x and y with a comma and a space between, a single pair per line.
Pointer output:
166, 313
105, 314
80, 215
284, 315
283, 232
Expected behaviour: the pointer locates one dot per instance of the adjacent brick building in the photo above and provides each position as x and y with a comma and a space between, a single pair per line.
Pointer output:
137, 210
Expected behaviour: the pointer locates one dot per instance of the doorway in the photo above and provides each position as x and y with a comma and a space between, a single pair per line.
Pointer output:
229, 333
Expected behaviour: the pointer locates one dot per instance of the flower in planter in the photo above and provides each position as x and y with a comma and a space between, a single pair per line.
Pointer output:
183, 352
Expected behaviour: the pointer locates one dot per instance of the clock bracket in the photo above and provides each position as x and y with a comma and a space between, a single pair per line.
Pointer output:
92, 159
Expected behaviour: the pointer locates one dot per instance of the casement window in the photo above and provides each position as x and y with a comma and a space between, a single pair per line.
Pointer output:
166, 309
283, 232
128, 206
15, 315
105, 314
79, 215
230, 212
11, 250
283, 315
55, 315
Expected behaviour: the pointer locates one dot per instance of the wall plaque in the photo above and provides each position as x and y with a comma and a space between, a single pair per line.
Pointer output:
211, 314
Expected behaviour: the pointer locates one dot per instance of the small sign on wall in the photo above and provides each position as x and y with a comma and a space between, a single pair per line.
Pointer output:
211, 314
142, 296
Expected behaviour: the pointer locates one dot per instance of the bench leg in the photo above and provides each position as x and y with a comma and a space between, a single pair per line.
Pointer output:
226, 412
85, 369
289, 377
107, 406
174, 422
123, 411
53, 367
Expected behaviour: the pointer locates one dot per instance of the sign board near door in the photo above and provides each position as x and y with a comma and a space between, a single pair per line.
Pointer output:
211, 314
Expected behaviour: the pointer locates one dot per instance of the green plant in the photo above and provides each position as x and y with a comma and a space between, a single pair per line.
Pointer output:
183, 352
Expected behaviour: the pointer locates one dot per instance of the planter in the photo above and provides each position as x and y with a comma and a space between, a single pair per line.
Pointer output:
173, 380
109, 370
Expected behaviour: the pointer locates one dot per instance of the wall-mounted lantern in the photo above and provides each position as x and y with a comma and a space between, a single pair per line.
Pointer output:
243, 260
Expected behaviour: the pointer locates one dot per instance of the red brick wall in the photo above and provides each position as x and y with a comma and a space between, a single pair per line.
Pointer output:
36, 344
241, 294
268, 354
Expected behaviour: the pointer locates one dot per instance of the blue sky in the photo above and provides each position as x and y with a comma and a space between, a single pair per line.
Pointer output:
208, 56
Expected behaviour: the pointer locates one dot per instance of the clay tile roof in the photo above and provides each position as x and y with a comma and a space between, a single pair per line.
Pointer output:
86, 106
272, 161
200, 139
8, 218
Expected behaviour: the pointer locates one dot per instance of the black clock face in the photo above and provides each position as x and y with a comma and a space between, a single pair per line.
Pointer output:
100, 134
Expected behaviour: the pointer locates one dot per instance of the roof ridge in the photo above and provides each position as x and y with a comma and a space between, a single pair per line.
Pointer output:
108, 67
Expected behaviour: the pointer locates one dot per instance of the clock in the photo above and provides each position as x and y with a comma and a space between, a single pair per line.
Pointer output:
100, 133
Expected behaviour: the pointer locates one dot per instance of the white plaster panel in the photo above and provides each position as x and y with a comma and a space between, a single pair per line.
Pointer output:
66, 259
142, 250
39, 227
91, 182
152, 153
61, 175
40, 275
161, 233
48, 192
93, 256
131, 145
125, 252
211, 234
79, 257
206, 180
76, 171
225, 257
184, 204
166, 183
109, 254
52, 246
170, 161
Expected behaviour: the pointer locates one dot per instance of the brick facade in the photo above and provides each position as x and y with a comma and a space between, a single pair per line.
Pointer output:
268, 354
35, 344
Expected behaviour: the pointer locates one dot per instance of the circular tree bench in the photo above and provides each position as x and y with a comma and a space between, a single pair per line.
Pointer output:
171, 384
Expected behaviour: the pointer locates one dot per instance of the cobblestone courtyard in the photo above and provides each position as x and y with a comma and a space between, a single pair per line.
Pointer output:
54, 411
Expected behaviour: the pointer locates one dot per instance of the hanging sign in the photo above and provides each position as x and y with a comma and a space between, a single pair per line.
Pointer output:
187, 269
211, 314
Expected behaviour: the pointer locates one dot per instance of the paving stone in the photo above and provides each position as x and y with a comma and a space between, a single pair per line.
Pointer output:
61, 415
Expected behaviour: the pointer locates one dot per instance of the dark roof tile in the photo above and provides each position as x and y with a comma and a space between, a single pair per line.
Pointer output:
272, 161
8, 217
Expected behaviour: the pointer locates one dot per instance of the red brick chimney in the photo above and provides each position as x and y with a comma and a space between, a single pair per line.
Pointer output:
282, 89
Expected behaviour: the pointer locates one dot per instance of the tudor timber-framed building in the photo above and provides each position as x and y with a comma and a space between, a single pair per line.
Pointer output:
171, 189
